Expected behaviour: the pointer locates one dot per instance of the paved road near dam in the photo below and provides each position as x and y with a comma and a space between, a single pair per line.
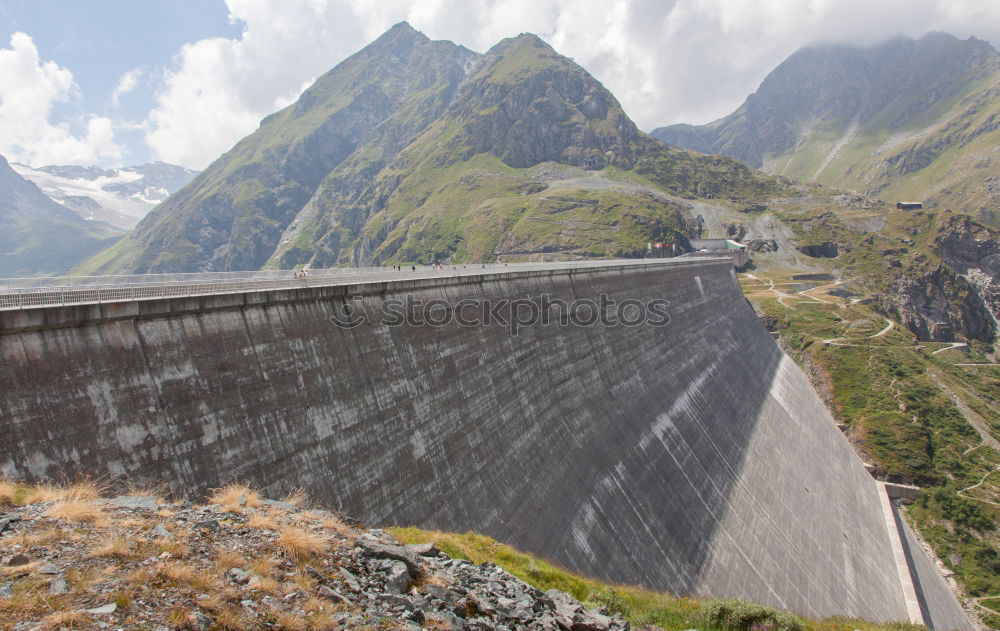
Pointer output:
672, 445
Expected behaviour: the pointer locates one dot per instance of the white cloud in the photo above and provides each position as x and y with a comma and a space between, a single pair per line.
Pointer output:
219, 88
29, 88
127, 83
666, 60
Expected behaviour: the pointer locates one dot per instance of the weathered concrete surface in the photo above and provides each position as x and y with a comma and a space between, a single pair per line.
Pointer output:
938, 606
692, 457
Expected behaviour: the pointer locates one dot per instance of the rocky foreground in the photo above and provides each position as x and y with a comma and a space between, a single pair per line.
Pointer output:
72, 560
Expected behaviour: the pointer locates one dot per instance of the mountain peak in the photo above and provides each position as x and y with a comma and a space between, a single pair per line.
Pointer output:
523, 39
399, 33
525, 103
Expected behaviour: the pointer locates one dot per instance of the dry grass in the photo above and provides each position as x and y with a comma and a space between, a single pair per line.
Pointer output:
159, 490
235, 497
296, 498
115, 546
319, 614
65, 620
185, 574
299, 544
436, 580
84, 579
263, 521
267, 585
339, 526
303, 581
211, 602
228, 560
8, 493
77, 511
322, 622
43, 537
84, 491
264, 566
176, 549
290, 622
182, 619
230, 619
315, 605
17, 570
177, 572
140, 578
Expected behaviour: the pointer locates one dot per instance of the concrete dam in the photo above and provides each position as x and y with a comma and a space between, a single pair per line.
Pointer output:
683, 452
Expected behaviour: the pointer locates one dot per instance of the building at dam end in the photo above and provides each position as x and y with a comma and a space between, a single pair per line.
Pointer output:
686, 454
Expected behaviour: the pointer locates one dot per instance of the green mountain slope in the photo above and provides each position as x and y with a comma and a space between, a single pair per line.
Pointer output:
413, 150
38, 237
232, 215
533, 157
907, 120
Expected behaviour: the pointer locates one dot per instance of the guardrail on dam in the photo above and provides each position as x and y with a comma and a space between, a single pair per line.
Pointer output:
689, 455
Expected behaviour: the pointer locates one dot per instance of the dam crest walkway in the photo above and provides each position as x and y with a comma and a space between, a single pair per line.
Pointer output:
26, 293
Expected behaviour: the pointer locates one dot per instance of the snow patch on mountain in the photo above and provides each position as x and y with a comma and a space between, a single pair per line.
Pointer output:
120, 197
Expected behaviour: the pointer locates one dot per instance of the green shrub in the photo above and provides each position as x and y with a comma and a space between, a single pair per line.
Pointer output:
733, 614
962, 511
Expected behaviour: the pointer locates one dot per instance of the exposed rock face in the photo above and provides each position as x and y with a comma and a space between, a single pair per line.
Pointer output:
760, 246
527, 104
973, 250
735, 231
938, 305
825, 250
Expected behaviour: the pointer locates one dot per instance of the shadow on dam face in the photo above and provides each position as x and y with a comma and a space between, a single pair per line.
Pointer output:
692, 457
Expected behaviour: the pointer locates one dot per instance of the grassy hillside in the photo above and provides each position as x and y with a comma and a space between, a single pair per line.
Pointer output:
532, 159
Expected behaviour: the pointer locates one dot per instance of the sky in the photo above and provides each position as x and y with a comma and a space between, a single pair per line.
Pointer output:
124, 82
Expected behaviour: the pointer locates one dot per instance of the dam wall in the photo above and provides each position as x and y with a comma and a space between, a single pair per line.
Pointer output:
689, 455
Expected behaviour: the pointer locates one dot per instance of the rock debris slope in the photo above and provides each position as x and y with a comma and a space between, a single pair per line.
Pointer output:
134, 562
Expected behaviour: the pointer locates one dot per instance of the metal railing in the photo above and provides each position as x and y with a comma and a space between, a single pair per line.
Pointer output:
26, 293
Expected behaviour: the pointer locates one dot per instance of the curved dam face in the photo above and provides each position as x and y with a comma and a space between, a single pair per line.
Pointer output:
690, 456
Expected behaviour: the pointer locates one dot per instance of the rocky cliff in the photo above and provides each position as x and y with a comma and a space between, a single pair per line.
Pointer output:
953, 291
973, 250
